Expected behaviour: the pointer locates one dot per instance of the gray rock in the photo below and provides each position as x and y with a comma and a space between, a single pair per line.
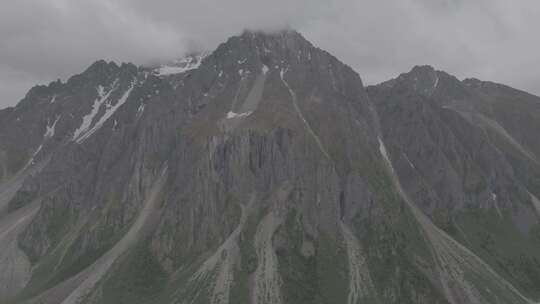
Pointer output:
266, 173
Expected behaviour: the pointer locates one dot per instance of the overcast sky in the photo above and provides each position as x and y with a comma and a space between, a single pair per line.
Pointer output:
498, 40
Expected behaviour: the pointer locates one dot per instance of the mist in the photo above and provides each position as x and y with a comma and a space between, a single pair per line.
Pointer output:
45, 40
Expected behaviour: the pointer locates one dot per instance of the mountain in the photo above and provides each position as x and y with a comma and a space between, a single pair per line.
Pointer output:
265, 172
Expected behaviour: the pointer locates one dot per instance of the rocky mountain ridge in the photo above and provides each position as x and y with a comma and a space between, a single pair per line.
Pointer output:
265, 172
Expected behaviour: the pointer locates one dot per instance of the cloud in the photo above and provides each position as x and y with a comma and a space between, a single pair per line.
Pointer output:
43, 40
48, 39
489, 39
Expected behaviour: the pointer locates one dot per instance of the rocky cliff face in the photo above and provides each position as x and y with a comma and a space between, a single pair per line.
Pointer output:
264, 172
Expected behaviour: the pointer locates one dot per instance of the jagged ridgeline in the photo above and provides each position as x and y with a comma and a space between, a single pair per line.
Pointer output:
264, 172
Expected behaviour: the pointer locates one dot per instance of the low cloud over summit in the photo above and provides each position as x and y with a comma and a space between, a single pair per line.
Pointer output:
49, 39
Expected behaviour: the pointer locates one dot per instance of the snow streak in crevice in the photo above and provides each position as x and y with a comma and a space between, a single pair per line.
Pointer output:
111, 109
85, 131
535, 202
182, 65
49, 132
299, 112
88, 118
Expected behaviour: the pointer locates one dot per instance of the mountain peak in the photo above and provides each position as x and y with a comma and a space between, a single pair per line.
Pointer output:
427, 81
266, 42
421, 78
422, 70
101, 65
288, 34
187, 63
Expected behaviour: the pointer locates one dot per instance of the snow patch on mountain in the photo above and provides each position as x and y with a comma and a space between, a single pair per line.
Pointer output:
140, 110
49, 132
31, 161
111, 109
88, 118
496, 204
182, 65
408, 161
231, 115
